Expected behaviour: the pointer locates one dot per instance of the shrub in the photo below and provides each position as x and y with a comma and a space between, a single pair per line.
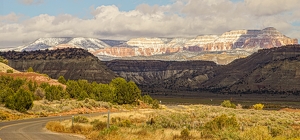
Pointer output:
39, 93
227, 103
79, 129
55, 126
147, 99
185, 133
81, 119
258, 106
125, 123
30, 69
155, 104
257, 133
222, 122
3, 116
62, 80
9, 71
98, 125
108, 131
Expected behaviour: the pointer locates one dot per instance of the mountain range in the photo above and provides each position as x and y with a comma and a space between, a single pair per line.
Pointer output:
270, 70
222, 49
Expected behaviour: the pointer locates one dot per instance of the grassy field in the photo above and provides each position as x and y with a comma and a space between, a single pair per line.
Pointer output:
187, 122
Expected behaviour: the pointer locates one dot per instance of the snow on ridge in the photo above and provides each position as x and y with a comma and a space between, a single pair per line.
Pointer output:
90, 44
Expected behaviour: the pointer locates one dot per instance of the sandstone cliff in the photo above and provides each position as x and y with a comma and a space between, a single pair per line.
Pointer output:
173, 49
241, 39
71, 63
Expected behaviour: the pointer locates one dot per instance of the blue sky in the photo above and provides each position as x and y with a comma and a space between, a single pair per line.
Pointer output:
23, 21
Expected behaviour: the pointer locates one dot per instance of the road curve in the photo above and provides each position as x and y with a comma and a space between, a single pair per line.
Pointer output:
34, 129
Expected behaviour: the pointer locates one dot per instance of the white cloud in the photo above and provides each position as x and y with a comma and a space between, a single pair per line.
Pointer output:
182, 18
31, 2
271, 7
12, 17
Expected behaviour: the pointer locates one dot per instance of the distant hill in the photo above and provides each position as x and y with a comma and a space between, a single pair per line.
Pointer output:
72, 63
274, 70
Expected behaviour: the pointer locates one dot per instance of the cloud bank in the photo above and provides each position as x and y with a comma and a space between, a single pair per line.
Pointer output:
182, 18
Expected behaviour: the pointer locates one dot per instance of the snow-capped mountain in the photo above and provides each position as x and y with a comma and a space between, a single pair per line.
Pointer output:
241, 41
90, 44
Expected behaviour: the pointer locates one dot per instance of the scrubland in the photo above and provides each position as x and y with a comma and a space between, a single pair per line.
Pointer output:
185, 122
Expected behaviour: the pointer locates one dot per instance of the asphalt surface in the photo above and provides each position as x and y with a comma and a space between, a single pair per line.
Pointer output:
34, 129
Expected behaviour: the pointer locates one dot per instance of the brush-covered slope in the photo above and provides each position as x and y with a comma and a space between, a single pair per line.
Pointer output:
268, 70
71, 63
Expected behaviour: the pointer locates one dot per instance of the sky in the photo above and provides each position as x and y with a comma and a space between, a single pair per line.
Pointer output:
23, 21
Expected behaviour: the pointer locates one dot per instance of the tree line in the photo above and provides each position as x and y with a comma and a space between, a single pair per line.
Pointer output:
19, 94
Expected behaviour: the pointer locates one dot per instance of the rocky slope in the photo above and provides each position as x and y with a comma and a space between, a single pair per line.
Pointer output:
275, 70
71, 63
172, 49
156, 75
269, 70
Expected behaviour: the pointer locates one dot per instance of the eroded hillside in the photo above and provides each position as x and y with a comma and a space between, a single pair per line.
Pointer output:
70, 62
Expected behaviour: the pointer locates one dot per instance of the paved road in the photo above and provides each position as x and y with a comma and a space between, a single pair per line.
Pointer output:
34, 129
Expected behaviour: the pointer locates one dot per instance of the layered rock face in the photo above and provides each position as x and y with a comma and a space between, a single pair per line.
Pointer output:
169, 49
71, 63
273, 70
242, 39
158, 74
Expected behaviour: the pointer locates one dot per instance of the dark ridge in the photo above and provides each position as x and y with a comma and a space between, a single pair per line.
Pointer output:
67, 53
72, 63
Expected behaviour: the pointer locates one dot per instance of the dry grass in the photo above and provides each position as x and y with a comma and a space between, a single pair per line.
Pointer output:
4, 68
67, 106
8, 114
55, 126
169, 123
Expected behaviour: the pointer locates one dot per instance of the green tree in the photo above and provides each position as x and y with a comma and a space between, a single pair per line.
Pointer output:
120, 90
30, 69
21, 101
62, 80
125, 93
4, 93
15, 84
44, 85
135, 92
106, 93
73, 89
82, 95
54, 92
32, 86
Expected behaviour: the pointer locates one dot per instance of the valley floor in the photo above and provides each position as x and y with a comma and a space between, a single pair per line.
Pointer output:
274, 101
